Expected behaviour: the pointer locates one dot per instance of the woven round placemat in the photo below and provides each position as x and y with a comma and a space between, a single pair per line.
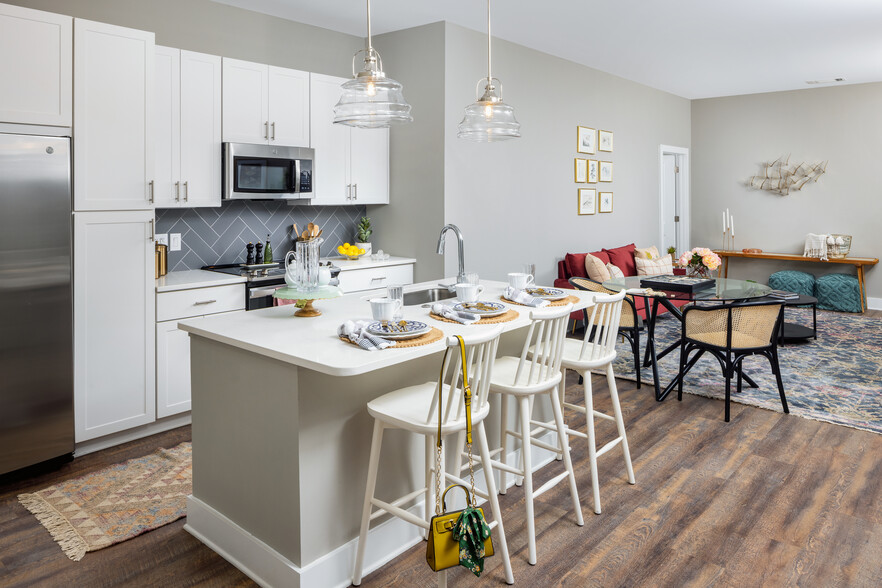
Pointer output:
507, 316
434, 335
562, 302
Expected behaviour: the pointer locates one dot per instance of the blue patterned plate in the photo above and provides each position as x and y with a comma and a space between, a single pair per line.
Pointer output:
398, 329
546, 293
481, 308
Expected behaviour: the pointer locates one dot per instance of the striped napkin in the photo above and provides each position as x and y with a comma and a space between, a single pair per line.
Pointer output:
459, 316
522, 297
356, 331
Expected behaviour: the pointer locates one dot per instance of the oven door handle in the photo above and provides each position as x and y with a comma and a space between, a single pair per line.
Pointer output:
261, 292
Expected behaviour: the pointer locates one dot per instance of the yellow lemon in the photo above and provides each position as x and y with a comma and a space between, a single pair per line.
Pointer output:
347, 245
361, 252
340, 249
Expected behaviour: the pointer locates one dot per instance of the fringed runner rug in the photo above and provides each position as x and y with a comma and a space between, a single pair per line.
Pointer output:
117, 503
837, 379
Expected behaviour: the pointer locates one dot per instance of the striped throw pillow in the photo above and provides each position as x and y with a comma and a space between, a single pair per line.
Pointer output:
655, 267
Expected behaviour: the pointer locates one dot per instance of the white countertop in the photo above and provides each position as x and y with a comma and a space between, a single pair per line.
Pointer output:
366, 262
312, 342
188, 279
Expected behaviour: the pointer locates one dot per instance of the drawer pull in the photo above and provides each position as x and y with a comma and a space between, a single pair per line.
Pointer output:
378, 279
198, 302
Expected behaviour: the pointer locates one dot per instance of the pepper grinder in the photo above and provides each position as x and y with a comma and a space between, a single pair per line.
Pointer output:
249, 257
258, 256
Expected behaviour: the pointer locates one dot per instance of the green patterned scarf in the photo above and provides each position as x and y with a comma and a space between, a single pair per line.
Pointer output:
471, 531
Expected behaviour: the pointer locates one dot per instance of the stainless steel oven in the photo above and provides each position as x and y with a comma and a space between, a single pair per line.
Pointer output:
262, 280
260, 172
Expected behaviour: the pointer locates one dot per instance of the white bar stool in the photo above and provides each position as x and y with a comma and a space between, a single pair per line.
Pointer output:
590, 353
536, 372
415, 409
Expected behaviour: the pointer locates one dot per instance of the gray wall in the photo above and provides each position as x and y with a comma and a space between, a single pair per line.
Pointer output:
732, 136
516, 201
410, 226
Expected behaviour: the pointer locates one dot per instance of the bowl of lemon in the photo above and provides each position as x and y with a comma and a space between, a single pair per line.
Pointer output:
350, 251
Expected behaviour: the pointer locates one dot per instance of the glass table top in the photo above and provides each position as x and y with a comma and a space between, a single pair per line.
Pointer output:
723, 289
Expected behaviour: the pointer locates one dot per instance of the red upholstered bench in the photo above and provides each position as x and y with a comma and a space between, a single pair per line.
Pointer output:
573, 266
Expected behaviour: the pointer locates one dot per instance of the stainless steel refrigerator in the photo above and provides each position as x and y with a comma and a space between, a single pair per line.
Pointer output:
36, 311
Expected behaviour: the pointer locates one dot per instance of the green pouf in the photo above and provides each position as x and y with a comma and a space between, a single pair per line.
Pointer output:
793, 281
838, 292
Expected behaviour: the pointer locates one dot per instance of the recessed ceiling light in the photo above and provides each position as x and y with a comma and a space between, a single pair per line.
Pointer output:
833, 81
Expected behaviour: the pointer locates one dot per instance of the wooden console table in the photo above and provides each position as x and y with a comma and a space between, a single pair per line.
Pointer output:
857, 262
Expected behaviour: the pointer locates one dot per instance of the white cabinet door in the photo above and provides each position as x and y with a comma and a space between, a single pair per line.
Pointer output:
114, 322
167, 127
172, 369
289, 106
369, 154
200, 129
35, 67
330, 141
245, 101
113, 108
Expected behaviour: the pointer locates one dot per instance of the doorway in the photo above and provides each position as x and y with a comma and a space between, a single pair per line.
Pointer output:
673, 199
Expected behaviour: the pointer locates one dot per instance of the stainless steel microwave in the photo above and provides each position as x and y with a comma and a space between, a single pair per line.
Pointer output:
260, 172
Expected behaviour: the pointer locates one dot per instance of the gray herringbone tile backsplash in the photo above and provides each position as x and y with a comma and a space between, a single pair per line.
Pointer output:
212, 236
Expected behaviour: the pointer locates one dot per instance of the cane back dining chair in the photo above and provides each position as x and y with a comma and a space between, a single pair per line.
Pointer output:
731, 332
630, 323
416, 409
534, 374
594, 352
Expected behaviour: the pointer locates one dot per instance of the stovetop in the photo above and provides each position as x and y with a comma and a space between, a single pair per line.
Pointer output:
257, 275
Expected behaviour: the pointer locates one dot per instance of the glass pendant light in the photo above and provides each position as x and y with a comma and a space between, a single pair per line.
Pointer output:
489, 119
371, 100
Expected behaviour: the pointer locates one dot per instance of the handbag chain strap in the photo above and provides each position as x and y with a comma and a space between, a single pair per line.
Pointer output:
467, 399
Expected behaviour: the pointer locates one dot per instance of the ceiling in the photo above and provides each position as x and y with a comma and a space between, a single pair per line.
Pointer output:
691, 48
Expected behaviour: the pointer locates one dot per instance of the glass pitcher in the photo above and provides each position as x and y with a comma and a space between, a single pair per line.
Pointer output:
307, 255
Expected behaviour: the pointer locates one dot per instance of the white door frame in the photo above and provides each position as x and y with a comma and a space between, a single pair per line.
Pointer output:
683, 189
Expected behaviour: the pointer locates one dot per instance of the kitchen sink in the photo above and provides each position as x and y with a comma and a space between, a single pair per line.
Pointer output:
428, 295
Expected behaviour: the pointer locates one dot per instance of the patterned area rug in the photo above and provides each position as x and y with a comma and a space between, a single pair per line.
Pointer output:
836, 378
117, 503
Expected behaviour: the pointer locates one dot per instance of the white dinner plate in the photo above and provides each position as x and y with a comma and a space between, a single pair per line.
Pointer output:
481, 308
394, 330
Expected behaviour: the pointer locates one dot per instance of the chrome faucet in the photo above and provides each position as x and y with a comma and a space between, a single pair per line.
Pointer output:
460, 277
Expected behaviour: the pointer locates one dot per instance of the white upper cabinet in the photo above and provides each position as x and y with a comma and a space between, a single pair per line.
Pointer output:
265, 104
187, 129
352, 165
35, 67
113, 117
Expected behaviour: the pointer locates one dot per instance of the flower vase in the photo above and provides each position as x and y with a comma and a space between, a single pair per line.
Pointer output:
699, 271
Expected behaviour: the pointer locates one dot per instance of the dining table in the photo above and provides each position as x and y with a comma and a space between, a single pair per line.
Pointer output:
722, 290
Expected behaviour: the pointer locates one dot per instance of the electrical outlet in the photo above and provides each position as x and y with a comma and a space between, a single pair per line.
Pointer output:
162, 238
175, 242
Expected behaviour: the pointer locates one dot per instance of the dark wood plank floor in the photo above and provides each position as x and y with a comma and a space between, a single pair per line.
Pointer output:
765, 500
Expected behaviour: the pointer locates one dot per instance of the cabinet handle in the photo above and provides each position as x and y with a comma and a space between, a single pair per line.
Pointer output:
186, 191
204, 302
274, 131
348, 191
177, 191
266, 130
378, 279
152, 230
150, 190
356, 191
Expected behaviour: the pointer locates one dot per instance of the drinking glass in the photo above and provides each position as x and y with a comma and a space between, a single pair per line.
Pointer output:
472, 278
530, 269
396, 292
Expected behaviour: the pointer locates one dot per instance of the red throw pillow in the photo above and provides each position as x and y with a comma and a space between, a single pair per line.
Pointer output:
623, 258
602, 256
575, 263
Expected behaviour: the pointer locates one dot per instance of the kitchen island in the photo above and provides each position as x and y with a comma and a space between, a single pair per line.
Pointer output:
281, 436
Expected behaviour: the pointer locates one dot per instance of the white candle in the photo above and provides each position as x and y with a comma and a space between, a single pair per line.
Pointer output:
732, 225
724, 223
728, 225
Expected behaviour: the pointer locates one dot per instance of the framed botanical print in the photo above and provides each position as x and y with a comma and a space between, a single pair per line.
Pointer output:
587, 197
606, 203
592, 171
606, 171
586, 140
581, 170
605, 140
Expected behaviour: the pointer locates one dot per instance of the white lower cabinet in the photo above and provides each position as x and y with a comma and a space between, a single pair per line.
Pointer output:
173, 344
356, 280
114, 318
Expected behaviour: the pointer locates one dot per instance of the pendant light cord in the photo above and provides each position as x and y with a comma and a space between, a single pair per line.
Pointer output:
489, 76
369, 47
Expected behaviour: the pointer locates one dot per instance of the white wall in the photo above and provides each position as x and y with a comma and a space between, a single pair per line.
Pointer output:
516, 201
732, 136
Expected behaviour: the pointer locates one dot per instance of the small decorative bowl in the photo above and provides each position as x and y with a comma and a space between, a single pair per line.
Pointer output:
354, 257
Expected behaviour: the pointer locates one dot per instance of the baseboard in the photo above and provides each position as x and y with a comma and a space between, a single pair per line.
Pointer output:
160, 426
268, 568
874, 303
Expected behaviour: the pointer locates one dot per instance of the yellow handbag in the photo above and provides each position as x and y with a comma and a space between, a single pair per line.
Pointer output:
447, 529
